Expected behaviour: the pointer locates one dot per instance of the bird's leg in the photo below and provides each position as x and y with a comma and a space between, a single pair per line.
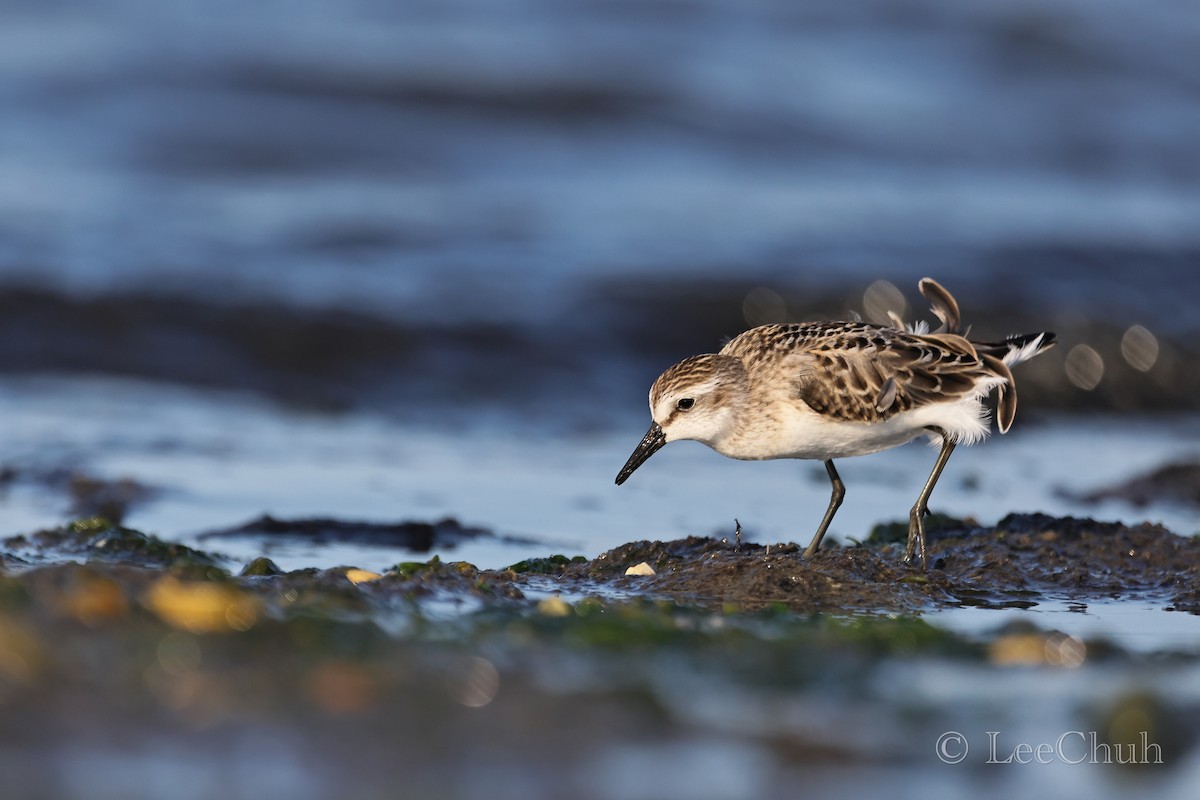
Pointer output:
835, 501
916, 517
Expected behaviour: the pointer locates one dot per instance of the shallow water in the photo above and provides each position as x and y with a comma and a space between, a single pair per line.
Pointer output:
1138, 625
220, 459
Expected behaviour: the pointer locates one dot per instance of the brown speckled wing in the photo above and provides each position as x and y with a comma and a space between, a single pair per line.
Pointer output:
843, 368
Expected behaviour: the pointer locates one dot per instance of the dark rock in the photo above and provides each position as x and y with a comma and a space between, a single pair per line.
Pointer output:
417, 536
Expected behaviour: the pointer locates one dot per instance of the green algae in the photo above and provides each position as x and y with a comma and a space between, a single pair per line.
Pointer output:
935, 523
101, 539
260, 567
408, 569
550, 565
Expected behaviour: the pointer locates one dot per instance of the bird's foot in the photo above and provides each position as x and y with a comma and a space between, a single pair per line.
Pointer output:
916, 537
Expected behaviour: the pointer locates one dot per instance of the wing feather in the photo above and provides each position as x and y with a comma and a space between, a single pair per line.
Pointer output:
874, 377
943, 304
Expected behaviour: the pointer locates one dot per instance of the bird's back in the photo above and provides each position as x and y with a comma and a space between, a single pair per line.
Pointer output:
859, 372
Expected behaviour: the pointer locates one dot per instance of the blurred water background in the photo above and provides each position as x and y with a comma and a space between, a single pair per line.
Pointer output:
385, 260
483, 228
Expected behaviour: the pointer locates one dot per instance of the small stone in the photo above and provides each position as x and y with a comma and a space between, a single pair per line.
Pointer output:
640, 569
357, 576
554, 607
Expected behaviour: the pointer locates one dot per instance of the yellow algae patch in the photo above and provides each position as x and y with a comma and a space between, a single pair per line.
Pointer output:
200, 607
1037, 649
357, 576
1021, 649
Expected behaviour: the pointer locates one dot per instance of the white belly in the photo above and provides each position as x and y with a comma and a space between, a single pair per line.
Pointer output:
799, 432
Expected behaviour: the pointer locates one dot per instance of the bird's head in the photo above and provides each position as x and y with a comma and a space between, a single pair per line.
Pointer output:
698, 399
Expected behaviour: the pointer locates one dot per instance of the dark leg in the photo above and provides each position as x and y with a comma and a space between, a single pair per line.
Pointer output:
835, 501
916, 517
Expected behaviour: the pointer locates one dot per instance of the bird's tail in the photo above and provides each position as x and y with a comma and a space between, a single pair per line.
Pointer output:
999, 356
1017, 349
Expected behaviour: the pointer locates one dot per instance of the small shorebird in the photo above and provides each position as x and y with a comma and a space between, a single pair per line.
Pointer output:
826, 390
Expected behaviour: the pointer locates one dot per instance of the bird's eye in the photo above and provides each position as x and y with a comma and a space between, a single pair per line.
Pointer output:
685, 403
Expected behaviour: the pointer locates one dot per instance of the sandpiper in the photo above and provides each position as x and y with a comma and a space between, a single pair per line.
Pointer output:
826, 390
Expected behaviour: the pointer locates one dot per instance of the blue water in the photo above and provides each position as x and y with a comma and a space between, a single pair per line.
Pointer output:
467, 158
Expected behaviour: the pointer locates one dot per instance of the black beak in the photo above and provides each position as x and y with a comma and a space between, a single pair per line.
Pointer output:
651, 442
